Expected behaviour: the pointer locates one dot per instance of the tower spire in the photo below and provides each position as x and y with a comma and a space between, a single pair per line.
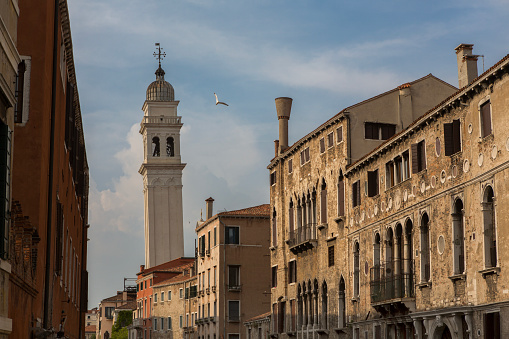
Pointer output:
159, 55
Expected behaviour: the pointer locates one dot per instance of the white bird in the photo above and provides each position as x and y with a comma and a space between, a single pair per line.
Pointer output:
219, 102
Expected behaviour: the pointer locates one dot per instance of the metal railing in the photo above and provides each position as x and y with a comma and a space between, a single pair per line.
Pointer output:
302, 234
392, 280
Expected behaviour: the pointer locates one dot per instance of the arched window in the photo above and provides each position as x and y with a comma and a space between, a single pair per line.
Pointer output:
398, 261
459, 244
376, 258
156, 148
490, 235
389, 262
325, 313
323, 203
341, 194
356, 269
170, 147
291, 225
425, 253
407, 262
342, 305
300, 313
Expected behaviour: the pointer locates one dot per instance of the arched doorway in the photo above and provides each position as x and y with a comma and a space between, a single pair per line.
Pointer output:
443, 333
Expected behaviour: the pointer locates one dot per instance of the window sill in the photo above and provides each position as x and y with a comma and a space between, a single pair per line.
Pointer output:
331, 238
340, 218
489, 271
424, 284
291, 334
272, 248
455, 277
355, 299
323, 331
341, 329
322, 226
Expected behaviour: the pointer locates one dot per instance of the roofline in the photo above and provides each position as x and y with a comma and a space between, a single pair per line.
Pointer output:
289, 151
227, 214
449, 103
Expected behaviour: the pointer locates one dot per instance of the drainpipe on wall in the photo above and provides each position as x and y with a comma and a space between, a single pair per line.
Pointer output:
47, 273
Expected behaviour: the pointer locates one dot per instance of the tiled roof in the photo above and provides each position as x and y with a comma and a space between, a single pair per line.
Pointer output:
176, 279
258, 317
90, 329
429, 112
119, 297
261, 210
131, 305
168, 265
180, 268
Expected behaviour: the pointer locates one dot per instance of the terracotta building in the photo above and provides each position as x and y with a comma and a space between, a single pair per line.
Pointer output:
175, 307
233, 270
143, 325
404, 239
48, 297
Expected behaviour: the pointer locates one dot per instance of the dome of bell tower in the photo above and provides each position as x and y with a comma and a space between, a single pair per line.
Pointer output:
160, 90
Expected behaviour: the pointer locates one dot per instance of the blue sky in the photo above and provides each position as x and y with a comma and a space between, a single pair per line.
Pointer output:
326, 55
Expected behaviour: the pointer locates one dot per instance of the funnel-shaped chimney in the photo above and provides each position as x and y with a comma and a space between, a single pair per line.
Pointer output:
283, 108
467, 64
209, 202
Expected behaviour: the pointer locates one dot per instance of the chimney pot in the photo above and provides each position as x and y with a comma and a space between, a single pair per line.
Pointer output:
467, 64
209, 203
283, 109
142, 268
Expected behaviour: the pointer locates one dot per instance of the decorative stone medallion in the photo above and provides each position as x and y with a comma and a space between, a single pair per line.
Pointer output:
494, 152
441, 244
470, 128
466, 165
433, 181
437, 147
405, 195
480, 159
454, 171
443, 176
423, 186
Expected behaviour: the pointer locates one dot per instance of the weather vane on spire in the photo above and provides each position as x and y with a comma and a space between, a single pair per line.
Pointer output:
158, 54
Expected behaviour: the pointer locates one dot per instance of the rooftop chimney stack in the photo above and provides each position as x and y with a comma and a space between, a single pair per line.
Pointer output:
283, 108
209, 202
467, 64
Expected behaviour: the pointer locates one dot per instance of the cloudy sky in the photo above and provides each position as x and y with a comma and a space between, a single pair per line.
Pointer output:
326, 55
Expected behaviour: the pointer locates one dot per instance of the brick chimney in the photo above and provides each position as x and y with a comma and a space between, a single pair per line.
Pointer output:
283, 108
467, 64
209, 203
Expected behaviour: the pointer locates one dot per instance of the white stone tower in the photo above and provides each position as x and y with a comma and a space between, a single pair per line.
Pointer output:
162, 172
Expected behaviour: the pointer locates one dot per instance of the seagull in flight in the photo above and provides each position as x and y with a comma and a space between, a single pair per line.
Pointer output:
219, 102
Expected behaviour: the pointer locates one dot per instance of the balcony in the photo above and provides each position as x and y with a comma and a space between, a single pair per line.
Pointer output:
302, 239
207, 252
234, 288
214, 289
207, 290
199, 321
188, 329
393, 287
138, 323
212, 319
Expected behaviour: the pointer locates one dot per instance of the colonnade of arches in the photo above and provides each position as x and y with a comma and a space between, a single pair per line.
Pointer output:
156, 147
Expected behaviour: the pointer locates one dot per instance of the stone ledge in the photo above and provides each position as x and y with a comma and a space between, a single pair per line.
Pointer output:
490, 270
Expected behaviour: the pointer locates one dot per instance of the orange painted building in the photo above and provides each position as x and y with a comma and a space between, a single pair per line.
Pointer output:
48, 292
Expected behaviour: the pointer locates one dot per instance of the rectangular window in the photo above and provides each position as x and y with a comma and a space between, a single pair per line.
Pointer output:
274, 230
181, 293
341, 197
418, 157
486, 128
331, 255
373, 183
181, 321
274, 276
452, 137
330, 139
292, 271
108, 312
215, 238
378, 131
208, 241
162, 324
322, 145
193, 291
231, 235
273, 178
162, 296
215, 268
155, 324
406, 166
304, 156
155, 297
169, 295
169, 323
356, 193
290, 166
339, 134
234, 310
233, 277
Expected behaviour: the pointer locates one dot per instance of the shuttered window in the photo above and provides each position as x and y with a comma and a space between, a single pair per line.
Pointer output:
290, 219
331, 255
274, 276
373, 183
323, 204
452, 137
486, 119
274, 230
273, 178
356, 193
304, 156
341, 197
322, 145
290, 166
340, 134
418, 157
330, 139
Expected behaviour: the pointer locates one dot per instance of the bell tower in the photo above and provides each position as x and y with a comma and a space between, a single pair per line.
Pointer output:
162, 171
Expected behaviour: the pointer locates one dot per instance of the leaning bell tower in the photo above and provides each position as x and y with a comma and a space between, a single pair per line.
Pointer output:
162, 171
